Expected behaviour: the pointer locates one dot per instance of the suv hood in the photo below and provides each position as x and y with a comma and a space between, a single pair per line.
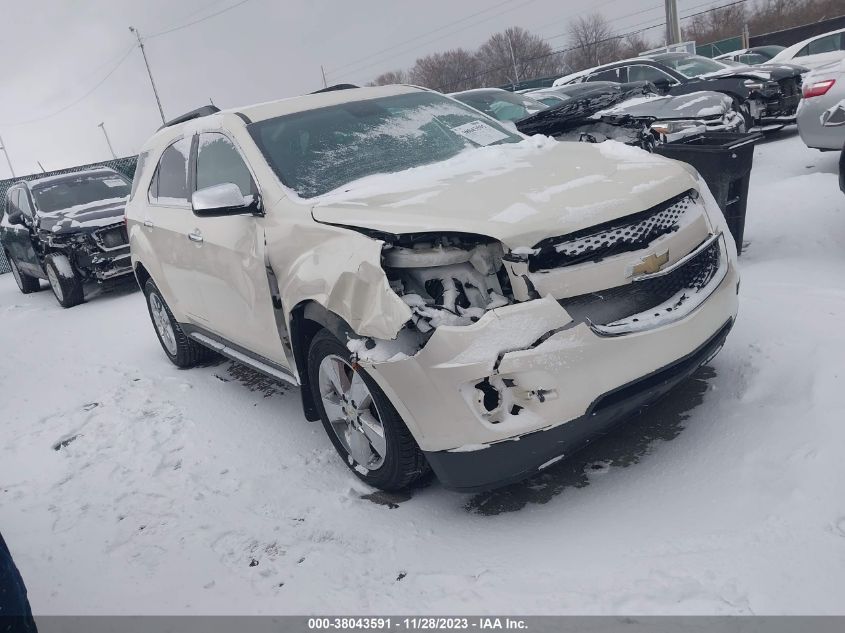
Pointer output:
518, 193
83, 218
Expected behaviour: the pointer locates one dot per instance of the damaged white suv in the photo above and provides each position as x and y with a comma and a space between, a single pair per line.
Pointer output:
448, 294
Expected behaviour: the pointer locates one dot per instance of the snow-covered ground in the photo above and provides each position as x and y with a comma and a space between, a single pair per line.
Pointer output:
128, 486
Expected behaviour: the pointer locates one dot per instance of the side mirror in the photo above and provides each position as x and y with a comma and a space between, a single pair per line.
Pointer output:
223, 199
15, 217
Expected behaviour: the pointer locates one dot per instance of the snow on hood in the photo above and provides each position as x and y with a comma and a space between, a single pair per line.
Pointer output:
689, 106
83, 217
518, 193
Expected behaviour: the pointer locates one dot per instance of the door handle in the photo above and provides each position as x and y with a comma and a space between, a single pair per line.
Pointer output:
148, 224
195, 236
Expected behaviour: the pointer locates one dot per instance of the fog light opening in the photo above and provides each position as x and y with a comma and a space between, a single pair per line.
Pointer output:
487, 397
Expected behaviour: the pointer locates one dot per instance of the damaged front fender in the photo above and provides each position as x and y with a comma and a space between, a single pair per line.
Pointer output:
339, 270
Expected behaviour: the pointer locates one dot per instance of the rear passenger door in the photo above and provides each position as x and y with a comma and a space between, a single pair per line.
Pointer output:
17, 238
167, 225
231, 266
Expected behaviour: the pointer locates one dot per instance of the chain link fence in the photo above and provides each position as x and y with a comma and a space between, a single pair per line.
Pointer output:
125, 166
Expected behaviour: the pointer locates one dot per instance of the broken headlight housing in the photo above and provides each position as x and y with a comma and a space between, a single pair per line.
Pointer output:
673, 130
447, 279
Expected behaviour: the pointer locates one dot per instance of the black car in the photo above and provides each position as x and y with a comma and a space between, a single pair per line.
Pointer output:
768, 94
67, 229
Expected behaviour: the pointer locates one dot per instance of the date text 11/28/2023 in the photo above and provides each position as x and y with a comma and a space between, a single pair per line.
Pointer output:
416, 623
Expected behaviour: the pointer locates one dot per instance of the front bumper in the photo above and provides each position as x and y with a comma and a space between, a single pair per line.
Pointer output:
551, 373
507, 462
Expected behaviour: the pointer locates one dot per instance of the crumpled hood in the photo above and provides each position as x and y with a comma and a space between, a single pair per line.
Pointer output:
85, 217
695, 105
765, 72
517, 193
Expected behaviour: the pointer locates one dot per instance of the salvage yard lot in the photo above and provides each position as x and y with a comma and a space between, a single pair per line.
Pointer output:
129, 486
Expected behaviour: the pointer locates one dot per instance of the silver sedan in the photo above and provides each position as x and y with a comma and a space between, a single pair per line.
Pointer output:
824, 89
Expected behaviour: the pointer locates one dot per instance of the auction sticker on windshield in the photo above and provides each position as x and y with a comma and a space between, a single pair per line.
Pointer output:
479, 133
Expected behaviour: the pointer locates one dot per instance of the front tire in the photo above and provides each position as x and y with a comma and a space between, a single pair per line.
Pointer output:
65, 282
26, 284
181, 350
362, 424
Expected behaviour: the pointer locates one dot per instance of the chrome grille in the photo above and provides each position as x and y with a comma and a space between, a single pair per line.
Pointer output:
607, 306
631, 233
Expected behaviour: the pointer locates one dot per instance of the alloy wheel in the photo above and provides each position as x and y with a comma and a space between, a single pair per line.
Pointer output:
54, 283
352, 412
162, 323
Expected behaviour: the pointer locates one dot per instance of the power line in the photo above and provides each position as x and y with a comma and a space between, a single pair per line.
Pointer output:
198, 20
87, 94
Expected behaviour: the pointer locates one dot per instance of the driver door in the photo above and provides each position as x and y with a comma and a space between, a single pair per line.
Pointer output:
17, 238
230, 257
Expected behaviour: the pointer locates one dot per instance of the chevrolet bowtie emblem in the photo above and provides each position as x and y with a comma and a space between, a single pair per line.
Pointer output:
651, 264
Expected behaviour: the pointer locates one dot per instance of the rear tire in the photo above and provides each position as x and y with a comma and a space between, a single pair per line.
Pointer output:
64, 280
26, 284
395, 461
182, 351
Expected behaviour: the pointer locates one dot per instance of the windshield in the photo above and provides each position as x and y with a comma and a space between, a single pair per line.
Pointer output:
693, 66
501, 105
74, 191
315, 151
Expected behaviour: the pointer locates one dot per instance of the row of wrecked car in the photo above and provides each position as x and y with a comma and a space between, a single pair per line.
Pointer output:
648, 100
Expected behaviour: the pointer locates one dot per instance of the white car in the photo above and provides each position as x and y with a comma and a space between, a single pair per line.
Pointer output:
824, 90
816, 51
447, 293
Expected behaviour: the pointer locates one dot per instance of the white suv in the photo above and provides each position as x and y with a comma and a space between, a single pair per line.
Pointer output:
438, 285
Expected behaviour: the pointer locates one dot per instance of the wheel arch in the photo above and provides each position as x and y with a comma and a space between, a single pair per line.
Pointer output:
306, 319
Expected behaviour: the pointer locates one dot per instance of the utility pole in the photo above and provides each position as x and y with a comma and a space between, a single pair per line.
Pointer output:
673, 23
746, 36
325, 85
513, 59
102, 126
149, 72
8, 160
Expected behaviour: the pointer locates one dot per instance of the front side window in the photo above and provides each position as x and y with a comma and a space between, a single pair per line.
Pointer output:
641, 72
76, 190
611, 74
219, 162
316, 151
170, 183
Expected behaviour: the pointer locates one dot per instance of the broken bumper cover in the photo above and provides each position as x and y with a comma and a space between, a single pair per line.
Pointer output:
510, 461
552, 377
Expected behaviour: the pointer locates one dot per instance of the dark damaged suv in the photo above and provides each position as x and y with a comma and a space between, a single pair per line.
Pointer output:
67, 229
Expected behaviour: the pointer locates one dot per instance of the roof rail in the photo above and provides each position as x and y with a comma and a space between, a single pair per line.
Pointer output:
193, 114
335, 87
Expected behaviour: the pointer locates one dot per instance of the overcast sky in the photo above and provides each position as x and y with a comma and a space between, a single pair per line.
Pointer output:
258, 51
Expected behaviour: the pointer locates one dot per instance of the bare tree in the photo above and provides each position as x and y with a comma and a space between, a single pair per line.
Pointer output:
398, 76
454, 70
715, 25
593, 41
633, 45
517, 55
